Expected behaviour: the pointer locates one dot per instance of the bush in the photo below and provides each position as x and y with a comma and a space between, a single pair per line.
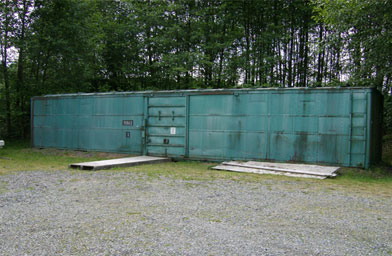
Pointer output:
388, 114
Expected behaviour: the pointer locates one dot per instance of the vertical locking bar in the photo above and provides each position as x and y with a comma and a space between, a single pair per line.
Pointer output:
350, 128
145, 125
187, 126
368, 124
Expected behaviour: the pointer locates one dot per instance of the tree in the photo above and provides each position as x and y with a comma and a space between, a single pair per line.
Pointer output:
65, 46
366, 27
6, 33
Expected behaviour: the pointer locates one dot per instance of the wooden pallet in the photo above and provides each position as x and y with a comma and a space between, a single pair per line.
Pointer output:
120, 162
294, 170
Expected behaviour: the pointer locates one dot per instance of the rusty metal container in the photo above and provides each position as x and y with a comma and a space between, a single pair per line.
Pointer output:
337, 126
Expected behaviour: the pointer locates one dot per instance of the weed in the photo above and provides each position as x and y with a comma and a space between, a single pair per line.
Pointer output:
134, 213
3, 187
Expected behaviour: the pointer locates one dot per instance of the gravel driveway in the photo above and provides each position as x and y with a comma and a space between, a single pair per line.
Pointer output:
131, 213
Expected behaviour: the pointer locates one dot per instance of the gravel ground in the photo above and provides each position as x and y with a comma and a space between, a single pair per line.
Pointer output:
129, 213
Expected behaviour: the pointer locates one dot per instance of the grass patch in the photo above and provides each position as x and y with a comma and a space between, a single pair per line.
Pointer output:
194, 171
19, 156
376, 174
376, 180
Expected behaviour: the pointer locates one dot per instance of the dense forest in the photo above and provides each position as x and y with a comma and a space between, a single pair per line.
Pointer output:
64, 46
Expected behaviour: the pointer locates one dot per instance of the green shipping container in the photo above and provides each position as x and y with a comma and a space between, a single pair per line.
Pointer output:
337, 126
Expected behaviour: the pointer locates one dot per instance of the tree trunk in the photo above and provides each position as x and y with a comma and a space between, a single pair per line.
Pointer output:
290, 64
20, 78
306, 57
7, 93
4, 64
320, 63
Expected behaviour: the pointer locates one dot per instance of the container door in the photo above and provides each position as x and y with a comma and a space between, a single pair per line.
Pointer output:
166, 126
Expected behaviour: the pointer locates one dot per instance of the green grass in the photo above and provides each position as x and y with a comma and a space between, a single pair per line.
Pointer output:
193, 171
18, 156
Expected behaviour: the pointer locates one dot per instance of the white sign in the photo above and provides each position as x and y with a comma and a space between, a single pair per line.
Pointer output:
172, 130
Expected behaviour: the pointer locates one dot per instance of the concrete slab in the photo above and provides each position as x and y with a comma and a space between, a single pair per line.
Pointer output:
298, 170
123, 162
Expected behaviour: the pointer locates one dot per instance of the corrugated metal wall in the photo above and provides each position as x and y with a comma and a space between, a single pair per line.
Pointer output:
340, 126
88, 123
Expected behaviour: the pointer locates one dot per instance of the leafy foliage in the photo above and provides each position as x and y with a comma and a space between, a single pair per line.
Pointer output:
64, 46
364, 28
388, 114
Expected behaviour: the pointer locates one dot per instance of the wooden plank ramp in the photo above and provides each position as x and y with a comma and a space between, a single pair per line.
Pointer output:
294, 170
120, 162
